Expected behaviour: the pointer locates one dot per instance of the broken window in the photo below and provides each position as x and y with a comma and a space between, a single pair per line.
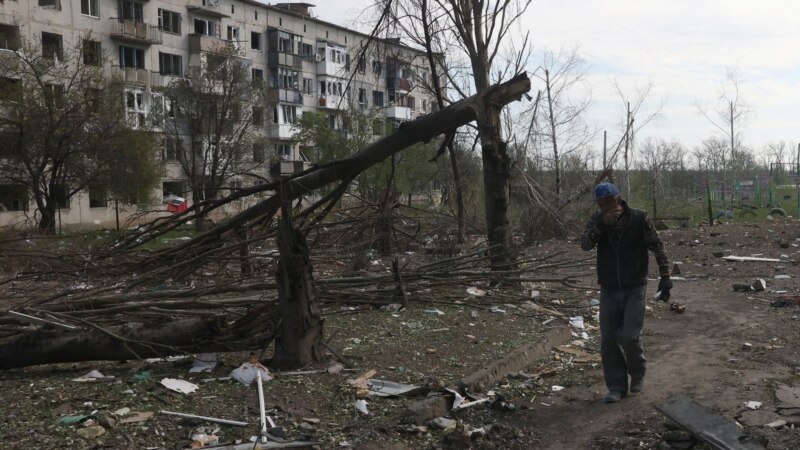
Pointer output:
59, 196
98, 197
52, 46
362, 64
9, 37
56, 4
13, 197
362, 97
377, 68
92, 52
207, 27
255, 41
10, 90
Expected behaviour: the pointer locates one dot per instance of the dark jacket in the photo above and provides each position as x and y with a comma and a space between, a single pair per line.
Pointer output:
622, 259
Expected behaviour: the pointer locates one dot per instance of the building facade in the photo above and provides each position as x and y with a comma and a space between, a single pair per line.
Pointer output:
308, 65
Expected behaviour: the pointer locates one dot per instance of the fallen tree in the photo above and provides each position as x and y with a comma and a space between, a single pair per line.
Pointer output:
259, 326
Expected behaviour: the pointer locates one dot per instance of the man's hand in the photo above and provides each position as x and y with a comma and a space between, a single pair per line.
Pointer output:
612, 216
664, 286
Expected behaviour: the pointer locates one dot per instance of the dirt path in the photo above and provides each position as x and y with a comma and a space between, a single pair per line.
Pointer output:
698, 353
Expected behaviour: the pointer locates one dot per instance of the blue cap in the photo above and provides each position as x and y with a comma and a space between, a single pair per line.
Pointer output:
604, 190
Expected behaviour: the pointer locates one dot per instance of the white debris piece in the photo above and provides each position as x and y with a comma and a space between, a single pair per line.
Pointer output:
246, 373
576, 322
204, 362
361, 406
753, 404
476, 291
557, 388
94, 375
182, 386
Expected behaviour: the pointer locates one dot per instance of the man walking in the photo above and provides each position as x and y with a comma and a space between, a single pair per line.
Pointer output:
623, 235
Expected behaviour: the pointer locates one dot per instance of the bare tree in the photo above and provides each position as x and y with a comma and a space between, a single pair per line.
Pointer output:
566, 98
637, 115
212, 118
729, 118
64, 128
657, 158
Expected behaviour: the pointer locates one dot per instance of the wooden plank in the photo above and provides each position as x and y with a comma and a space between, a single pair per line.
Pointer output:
710, 427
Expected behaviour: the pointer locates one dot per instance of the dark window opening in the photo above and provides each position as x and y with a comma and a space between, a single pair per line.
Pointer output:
59, 196
255, 41
129, 10
131, 57
9, 37
169, 64
98, 197
92, 52
52, 46
169, 21
13, 197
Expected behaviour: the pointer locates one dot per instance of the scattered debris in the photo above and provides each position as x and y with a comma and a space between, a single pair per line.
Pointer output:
556, 388
759, 285
742, 287
361, 406
442, 423
204, 362
707, 425
753, 404
476, 291
91, 432
182, 386
782, 277
248, 371
383, 388
677, 307
94, 375
204, 418
750, 259
576, 322
583, 356
776, 424
72, 420
137, 417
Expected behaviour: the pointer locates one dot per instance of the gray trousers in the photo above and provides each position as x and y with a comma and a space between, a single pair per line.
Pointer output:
621, 321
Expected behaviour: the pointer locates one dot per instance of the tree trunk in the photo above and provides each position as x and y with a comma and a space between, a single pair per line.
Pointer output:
299, 340
200, 220
460, 217
132, 341
245, 265
437, 90
47, 222
553, 138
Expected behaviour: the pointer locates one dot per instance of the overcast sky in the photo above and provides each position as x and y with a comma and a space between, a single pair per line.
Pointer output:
684, 48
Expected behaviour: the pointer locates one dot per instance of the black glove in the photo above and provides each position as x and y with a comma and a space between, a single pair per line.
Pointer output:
664, 287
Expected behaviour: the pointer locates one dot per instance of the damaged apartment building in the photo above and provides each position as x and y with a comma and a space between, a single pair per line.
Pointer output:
308, 64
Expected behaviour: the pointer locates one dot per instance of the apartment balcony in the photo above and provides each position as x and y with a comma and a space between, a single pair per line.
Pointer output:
275, 58
134, 76
162, 80
398, 112
202, 43
331, 68
207, 9
289, 96
336, 102
283, 131
287, 168
133, 32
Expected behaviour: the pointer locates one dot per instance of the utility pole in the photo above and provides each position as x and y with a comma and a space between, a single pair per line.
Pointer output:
628, 143
733, 160
605, 150
797, 180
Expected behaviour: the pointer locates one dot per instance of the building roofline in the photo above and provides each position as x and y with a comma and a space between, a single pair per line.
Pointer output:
331, 24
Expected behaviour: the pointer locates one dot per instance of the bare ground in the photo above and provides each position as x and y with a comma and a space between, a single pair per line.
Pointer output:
698, 353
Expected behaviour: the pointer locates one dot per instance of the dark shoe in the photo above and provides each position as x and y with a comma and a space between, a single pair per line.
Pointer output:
637, 386
614, 396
